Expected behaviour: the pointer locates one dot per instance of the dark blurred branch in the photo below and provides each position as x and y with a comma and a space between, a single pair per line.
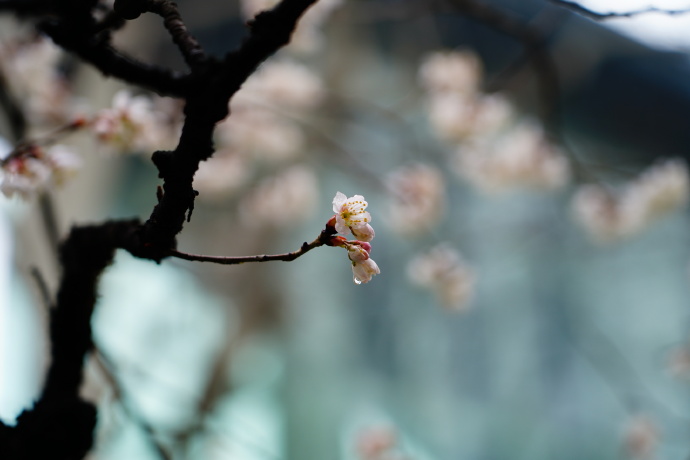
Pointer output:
190, 48
576, 7
11, 107
60, 425
536, 53
219, 81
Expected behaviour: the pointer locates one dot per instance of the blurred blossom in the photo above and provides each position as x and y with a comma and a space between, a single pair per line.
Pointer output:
283, 200
375, 442
131, 124
31, 71
33, 170
418, 198
521, 157
283, 83
63, 163
641, 438
597, 210
457, 72
492, 112
222, 175
658, 191
610, 215
678, 362
443, 271
307, 38
261, 134
451, 116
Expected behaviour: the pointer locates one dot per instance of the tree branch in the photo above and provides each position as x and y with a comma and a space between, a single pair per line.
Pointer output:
286, 257
591, 14
190, 48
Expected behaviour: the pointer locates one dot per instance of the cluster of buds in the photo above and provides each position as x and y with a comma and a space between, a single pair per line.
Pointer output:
30, 169
352, 217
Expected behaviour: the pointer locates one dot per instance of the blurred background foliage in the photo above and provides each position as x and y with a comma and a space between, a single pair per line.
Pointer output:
563, 348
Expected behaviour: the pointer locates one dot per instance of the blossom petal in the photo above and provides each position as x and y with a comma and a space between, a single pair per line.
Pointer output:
338, 201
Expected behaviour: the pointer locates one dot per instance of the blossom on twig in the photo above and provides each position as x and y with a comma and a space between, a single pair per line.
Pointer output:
30, 169
363, 266
351, 215
130, 124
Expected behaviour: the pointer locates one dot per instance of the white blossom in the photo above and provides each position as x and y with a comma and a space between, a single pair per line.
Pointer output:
611, 214
31, 69
521, 157
444, 272
283, 200
363, 266
261, 134
32, 170
451, 71
283, 83
418, 198
351, 215
130, 124
223, 175
307, 38
375, 443
641, 437
659, 190
64, 163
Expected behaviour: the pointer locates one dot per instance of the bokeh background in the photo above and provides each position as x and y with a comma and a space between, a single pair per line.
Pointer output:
560, 346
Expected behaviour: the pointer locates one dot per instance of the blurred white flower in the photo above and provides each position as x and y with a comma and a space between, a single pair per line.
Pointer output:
31, 70
64, 163
641, 437
521, 157
283, 83
658, 191
451, 71
451, 116
32, 169
351, 215
418, 198
444, 272
307, 37
598, 211
375, 443
610, 215
261, 134
222, 175
678, 362
492, 112
285, 199
131, 124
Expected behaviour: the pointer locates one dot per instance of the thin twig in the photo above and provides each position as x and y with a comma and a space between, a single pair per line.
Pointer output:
576, 7
286, 257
